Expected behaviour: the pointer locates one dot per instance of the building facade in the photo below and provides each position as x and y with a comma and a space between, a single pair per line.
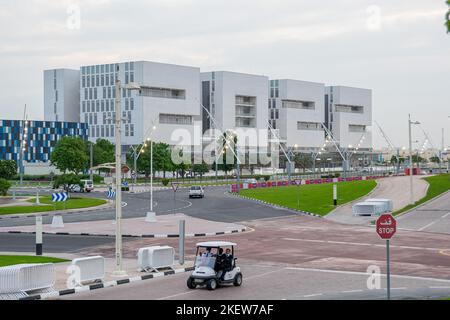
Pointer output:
168, 100
348, 115
62, 95
37, 138
235, 100
296, 112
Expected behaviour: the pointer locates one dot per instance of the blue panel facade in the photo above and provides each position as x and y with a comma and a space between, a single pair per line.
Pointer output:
41, 138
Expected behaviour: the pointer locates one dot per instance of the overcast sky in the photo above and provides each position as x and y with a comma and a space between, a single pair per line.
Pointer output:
397, 48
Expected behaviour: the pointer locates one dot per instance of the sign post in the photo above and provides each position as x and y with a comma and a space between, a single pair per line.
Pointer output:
335, 194
386, 228
298, 182
174, 188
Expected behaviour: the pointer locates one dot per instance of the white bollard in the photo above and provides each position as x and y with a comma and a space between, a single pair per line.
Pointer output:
37, 197
57, 222
151, 217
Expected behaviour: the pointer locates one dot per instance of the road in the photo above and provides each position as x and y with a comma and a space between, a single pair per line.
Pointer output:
217, 205
395, 188
264, 282
432, 217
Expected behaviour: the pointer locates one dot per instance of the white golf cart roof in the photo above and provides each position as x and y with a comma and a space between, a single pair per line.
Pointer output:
215, 244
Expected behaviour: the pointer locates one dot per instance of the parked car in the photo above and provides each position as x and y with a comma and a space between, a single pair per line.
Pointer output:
75, 188
196, 192
88, 185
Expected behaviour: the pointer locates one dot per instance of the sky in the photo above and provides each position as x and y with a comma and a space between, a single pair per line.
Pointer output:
397, 48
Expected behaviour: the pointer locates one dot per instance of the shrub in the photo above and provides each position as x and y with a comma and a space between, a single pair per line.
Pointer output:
4, 186
165, 182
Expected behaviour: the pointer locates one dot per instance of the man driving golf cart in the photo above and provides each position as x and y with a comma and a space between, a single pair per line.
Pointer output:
215, 268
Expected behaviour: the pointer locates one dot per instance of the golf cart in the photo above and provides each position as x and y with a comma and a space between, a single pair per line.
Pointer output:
210, 270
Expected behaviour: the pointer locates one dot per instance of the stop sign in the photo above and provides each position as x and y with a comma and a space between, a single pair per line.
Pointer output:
386, 226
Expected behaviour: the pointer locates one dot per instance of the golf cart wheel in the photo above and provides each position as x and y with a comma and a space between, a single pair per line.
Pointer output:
237, 280
211, 284
191, 284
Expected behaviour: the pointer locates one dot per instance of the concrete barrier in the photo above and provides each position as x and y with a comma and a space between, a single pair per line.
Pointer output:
154, 258
91, 268
26, 277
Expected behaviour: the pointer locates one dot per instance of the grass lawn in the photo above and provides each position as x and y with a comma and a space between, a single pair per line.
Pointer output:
316, 199
438, 185
47, 205
12, 260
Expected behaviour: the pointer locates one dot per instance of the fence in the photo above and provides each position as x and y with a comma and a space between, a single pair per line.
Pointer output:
26, 277
91, 268
156, 257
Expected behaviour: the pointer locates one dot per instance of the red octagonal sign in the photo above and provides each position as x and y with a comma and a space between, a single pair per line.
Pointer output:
386, 226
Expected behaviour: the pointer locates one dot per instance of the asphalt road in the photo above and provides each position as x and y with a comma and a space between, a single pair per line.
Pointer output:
432, 217
262, 282
217, 205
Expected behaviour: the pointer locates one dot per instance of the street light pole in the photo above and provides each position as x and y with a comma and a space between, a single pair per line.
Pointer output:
411, 166
118, 140
151, 176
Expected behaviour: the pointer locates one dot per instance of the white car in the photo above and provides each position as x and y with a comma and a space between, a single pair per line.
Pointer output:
88, 185
196, 192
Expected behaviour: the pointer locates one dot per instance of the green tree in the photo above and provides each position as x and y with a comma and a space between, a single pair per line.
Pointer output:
447, 17
8, 169
70, 155
228, 143
303, 161
4, 186
161, 159
200, 169
435, 159
66, 180
103, 151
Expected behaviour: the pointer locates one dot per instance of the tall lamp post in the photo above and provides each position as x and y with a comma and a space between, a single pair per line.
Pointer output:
411, 166
119, 272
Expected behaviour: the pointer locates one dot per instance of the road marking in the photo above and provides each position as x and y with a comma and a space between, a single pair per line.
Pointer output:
313, 295
352, 291
246, 279
445, 252
433, 222
364, 244
399, 288
176, 209
366, 274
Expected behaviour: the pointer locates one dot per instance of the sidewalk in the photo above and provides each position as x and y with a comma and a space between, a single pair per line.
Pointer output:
130, 266
166, 226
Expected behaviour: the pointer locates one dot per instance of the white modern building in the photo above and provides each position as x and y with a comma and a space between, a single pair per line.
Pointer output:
62, 95
169, 99
235, 100
296, 113
348, 115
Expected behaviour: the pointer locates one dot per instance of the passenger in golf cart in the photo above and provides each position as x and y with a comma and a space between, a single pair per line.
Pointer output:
213, 267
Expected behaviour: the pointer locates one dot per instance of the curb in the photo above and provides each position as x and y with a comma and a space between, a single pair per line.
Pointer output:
276, 205
173, 235
108, 284
105, 206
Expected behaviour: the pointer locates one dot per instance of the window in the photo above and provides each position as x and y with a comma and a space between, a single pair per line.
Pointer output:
175, 119
127, 130
104, 117
85, 118
131, 104
85, 93
112, 130
163, 93
103, 105
95, 93
83, 81
98, 131
84, 106
103, 131
109, 92
315, 126
88, 106
104, 92
107, 105
88, 81
356, 128
131, 77
102, 79
107, 80
129, 116
131, 130
90, 93
297, 104
349, 108
131, 66
97, 80
95, 118
127, 104
107, 131
54, 108
98, 106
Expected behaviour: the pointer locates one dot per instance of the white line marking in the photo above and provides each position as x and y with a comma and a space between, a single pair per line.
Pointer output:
439, 287
246, 279
363, 244
366, 274
313, 295
352, 291
398, 288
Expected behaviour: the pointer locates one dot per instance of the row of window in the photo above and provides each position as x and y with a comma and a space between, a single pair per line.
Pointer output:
106, 68
175, 119
99, 80
315, 126
349, 108
298, 104
107, 131
162, 93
